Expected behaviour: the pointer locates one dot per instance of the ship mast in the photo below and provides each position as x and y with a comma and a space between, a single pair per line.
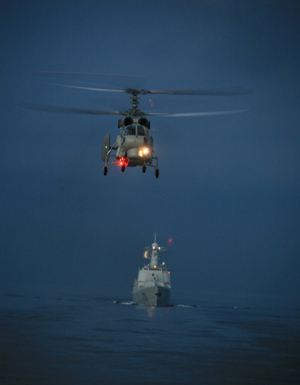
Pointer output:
154, 253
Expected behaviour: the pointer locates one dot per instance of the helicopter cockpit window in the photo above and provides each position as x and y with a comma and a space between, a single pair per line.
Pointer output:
140, 130
130, 130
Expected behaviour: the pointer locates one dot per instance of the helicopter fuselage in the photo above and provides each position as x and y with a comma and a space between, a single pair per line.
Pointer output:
135, 144
133, 147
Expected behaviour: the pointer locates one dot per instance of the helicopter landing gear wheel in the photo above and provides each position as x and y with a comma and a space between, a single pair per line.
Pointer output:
156, 172
123, 168
105, 170
144, 168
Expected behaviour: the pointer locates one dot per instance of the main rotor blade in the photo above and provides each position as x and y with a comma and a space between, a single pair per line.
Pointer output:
189, 114
69, 110
83, 73
207, 92
91, 88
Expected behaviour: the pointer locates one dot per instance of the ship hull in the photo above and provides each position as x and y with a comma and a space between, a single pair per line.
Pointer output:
152, 296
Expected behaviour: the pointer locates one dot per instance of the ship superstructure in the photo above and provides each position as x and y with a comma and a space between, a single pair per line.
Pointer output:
152, 287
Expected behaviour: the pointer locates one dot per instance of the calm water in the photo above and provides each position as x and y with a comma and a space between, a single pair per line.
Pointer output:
87, 339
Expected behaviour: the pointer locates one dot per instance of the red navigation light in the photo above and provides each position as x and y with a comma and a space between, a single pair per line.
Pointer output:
169, 272
123, 161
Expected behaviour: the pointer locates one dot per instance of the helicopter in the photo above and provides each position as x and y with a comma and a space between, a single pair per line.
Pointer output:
134, 145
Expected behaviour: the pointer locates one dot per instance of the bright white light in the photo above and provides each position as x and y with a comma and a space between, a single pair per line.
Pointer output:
144, 151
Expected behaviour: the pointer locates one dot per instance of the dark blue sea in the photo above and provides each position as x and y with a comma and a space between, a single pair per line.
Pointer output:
63, 337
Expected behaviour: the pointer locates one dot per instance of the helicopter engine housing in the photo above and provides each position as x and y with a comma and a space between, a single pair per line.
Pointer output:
127, 121
144, 122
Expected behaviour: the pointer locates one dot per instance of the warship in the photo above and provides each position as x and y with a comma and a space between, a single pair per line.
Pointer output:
152, 287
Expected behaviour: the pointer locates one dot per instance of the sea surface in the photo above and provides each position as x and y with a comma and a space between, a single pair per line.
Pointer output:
68, 338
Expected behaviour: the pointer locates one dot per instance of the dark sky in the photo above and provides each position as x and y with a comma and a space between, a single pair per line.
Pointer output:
228, 191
